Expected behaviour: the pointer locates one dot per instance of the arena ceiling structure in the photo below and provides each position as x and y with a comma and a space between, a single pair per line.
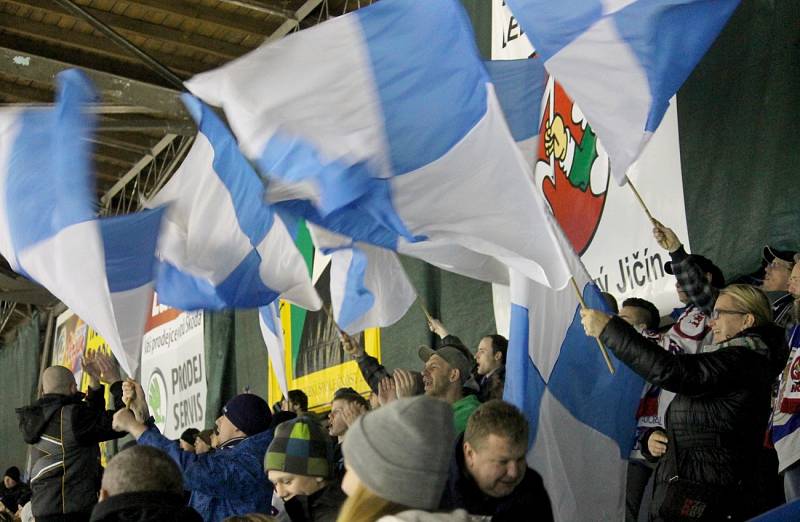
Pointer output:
137, 53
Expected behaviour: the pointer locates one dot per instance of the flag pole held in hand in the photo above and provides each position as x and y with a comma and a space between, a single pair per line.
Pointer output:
600, 344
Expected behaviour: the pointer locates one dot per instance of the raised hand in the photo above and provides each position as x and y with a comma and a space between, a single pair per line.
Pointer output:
665, 237
351, 346
386, 391
351, 411
405, 384
437, 327
134, 398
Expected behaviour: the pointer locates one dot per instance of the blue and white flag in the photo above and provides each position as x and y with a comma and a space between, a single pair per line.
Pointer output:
269, 319
102, 269
369, 287
520, 87
582, 417
222, 246
383, 125
622, 61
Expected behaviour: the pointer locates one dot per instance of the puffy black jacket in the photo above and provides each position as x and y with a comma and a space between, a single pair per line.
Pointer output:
64, 431
719, 416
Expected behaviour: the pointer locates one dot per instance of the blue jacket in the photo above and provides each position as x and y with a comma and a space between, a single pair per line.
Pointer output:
226, 482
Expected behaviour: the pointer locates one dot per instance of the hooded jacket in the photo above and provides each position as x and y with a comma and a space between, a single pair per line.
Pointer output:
719, 416
226, 482
64, 431
146, 506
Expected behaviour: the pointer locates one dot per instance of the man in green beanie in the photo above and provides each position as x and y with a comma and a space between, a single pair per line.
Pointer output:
300, 464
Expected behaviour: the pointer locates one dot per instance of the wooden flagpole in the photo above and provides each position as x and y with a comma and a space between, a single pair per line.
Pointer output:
640, 200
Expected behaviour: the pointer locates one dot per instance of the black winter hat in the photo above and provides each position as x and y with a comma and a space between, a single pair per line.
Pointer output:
12, 473
248, 412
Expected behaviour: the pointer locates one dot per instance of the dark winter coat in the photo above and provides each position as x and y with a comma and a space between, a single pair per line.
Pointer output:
229, 481
147, 506
719, 416
65, 432
528, 501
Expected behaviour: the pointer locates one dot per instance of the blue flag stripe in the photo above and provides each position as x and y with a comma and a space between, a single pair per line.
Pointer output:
524, 386
357, 300
520, 86
582, 383
41, 199
551, 26
129, 243
431, 102
235, 172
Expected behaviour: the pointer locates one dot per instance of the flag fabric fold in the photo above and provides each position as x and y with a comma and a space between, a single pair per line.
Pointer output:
102, 269
269, 319
582, 417
622, 61
369, 287
411, 155
222, 245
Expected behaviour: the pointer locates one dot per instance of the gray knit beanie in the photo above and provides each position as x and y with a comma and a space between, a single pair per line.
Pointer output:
402, 451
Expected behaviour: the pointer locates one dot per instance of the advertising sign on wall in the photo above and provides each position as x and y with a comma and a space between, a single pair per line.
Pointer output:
173, 369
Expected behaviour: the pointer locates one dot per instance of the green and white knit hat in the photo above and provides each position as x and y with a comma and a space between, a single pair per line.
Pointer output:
301, 447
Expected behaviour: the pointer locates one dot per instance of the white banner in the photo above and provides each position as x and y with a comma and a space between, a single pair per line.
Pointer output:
603, 221
174, 369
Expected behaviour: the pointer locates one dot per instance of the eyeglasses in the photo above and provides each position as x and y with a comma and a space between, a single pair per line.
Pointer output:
717, 312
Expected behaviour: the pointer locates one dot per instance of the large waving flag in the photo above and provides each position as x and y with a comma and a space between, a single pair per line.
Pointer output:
622, 61
222, 246
102, 269
582, 417
413, 155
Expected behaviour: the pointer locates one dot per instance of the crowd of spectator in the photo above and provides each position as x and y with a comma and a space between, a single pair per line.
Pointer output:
717, 421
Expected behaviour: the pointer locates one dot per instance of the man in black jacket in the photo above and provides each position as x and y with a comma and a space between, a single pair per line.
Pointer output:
65, 430
488, 475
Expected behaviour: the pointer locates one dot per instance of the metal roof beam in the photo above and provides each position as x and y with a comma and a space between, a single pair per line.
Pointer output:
112, 88
294, 22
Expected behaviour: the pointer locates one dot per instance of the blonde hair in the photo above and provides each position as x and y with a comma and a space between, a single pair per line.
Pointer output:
752, 300
365, 506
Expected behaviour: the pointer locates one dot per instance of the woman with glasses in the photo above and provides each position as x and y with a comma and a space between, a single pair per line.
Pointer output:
716, 424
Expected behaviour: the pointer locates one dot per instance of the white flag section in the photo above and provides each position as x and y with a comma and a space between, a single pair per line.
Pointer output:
581, 416
269, 318
222, 246
622, 61
102, 269
421, 154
